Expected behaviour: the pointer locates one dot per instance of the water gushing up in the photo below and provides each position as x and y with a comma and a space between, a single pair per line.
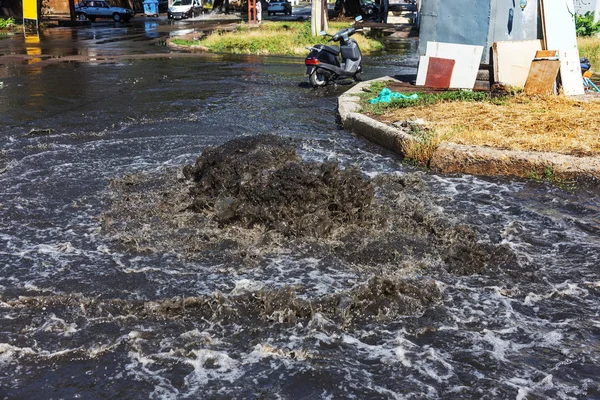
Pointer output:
309, 264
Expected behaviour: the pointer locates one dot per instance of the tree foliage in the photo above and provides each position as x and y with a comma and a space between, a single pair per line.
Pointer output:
585, 25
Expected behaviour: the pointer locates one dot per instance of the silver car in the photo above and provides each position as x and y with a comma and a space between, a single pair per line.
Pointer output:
184, 9
279, 6
92, 9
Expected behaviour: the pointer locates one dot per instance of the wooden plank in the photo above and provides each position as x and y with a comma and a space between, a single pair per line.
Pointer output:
467, 59
543, 21
422, 71
512, 60
570, 72
439, 72
546, 54
542, 77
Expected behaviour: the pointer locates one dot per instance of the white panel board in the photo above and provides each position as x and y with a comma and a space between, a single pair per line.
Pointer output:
512, 60
559, 24
467, 59
422, 71
570, 72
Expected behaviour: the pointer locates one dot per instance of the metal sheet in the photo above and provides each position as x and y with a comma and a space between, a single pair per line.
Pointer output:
479, 23
514, 20
439, 72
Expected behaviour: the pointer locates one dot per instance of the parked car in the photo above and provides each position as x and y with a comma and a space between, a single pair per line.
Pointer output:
184, 9
92, 9
279, 6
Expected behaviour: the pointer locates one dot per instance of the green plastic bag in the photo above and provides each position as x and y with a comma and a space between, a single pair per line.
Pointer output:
386, 96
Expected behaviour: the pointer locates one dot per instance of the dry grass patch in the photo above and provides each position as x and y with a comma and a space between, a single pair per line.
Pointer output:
550, 124
589, 47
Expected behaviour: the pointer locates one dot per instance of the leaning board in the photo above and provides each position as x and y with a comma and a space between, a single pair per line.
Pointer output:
570, 72
559, 33
439, 72
542, 77
512, 60
467, 59
422, 71
559, 24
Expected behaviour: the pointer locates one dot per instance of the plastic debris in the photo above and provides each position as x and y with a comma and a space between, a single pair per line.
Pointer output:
386, 96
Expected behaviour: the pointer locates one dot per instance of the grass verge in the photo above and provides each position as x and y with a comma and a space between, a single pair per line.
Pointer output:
560, 124
281, 38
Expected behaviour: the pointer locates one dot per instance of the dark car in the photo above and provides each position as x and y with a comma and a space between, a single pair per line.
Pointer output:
101, 9
279, 6
163, 6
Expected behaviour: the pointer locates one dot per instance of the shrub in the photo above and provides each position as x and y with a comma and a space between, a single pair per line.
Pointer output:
6, 22
585, 25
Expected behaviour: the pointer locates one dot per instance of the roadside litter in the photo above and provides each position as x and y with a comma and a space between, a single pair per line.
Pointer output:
386, 96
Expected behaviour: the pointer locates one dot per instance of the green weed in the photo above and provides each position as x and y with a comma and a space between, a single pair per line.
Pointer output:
7, 22
549, 175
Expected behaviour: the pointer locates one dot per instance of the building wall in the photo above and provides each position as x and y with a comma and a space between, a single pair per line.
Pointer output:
583, 6
57, 7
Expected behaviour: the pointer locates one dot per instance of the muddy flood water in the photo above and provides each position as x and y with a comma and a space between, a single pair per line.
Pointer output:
201, 227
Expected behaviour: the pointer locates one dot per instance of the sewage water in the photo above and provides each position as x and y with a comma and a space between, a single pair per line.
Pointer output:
84, 315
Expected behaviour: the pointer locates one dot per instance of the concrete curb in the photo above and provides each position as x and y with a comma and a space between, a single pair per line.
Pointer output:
475, 160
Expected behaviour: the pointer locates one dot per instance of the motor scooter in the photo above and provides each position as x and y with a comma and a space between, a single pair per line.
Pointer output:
327, 63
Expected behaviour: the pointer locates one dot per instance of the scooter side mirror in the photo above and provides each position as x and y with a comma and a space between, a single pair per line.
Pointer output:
322, 33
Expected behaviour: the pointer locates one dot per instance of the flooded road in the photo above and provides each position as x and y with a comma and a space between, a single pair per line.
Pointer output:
85, 315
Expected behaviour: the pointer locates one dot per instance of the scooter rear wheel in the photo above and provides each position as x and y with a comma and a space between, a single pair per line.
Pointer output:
317, 79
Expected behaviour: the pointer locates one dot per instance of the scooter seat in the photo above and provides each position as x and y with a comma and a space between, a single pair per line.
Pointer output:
335, 50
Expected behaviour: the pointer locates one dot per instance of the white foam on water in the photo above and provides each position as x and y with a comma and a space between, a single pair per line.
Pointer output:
8, 353
143, 368
246, 286
211, 364
58, 325
500, 346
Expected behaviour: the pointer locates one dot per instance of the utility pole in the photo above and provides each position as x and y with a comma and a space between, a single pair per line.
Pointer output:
318, 16
72, 10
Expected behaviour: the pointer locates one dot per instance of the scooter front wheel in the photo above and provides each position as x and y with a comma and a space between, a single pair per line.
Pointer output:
317, 79
358, 77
